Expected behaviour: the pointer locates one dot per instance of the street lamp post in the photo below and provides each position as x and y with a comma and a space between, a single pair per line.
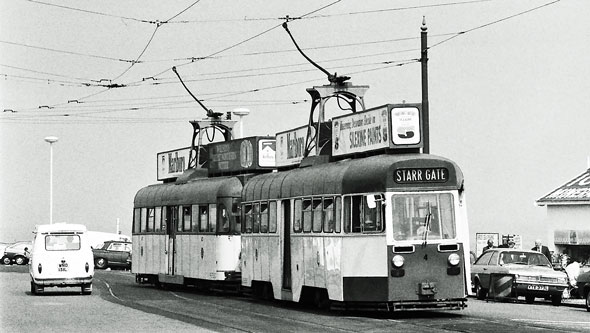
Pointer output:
51, 140
241, 112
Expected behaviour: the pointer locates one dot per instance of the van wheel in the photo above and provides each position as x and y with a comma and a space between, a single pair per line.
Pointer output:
530, 299
86, 289
6, 261
556, 299
588, 301
20, 260
101, 263
36, 289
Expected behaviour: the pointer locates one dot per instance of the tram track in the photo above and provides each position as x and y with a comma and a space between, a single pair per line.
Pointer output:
207, 311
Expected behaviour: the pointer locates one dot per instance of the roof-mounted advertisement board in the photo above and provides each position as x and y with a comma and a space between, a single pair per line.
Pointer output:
391, 126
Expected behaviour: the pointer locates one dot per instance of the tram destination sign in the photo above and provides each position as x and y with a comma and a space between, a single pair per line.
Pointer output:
421, 175
246, 154
391, 126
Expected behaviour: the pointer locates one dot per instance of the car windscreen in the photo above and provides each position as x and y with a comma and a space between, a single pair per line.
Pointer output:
524, 258
62, 242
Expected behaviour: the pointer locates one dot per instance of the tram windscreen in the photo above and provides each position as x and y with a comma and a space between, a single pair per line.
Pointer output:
417, 214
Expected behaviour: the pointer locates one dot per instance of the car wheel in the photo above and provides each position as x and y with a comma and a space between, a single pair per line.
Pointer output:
530, 299
101, 263
19, 260
556, 299
6, 261
480, 292
588, 301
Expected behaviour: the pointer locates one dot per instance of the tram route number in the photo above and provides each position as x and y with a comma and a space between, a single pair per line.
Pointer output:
421, 175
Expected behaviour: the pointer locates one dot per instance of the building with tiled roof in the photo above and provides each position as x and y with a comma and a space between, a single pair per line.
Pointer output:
568, 217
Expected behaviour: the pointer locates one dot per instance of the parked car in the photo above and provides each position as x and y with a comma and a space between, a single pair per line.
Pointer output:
113, 254
583, 284
507, 272
15, 253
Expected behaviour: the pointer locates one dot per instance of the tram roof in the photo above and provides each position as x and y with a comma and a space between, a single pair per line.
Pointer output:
202, 190
370, 174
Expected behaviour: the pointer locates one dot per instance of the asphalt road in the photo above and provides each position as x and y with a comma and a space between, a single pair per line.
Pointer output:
118, 304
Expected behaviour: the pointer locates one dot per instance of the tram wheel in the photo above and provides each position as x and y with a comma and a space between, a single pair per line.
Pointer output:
321, 299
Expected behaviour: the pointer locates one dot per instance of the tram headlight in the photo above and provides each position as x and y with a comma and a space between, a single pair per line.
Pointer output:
454, 259
397, 261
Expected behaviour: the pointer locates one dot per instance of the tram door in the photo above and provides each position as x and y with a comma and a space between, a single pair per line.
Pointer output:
286, 208
171, 225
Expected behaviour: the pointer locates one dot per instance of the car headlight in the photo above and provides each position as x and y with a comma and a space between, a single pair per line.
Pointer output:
397, 261
454, 259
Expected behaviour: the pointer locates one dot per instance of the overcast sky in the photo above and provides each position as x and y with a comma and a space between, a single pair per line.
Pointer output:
508, 85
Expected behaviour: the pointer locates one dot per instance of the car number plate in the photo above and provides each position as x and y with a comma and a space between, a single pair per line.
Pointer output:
537, 287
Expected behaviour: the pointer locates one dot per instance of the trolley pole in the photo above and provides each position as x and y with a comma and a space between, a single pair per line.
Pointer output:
424, 62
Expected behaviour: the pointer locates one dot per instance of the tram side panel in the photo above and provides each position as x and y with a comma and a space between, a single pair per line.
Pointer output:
364, 268
333, 250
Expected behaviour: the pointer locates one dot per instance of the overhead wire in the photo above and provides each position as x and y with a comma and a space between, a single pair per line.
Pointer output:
453, 35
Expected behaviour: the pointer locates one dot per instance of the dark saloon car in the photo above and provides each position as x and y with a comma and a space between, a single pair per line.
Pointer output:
507, 272
583, 284
113, 254
15, 253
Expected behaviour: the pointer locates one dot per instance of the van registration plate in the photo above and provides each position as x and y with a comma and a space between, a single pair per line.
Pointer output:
62, 266
537, 287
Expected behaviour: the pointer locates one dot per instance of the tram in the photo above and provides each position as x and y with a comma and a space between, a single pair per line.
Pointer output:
385, 230
186, 230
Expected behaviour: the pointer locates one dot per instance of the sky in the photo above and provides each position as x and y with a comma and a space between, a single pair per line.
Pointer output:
508, 93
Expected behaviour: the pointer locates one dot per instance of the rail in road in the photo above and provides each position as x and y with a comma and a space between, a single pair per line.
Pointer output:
119, 304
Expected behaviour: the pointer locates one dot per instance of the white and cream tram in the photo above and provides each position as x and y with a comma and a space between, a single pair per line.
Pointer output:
379, 226
187, 232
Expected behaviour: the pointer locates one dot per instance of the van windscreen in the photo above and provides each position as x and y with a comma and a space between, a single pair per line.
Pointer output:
62, 242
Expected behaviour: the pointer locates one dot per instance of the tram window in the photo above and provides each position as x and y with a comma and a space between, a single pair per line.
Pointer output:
247, 219
317, 214
236, 214
264, 217
256, 218
223, 225
422, 216
307, 215
179, 216
212, 218
136, 220
328, 215
150, 220
195, 218
373, 213
355, 213
165, 219
143, 219
338, 210
297, 225
203, 219
346, 220
186, 218
157, 219
272, 217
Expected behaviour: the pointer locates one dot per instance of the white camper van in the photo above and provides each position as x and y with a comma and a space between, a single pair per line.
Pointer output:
61, 257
